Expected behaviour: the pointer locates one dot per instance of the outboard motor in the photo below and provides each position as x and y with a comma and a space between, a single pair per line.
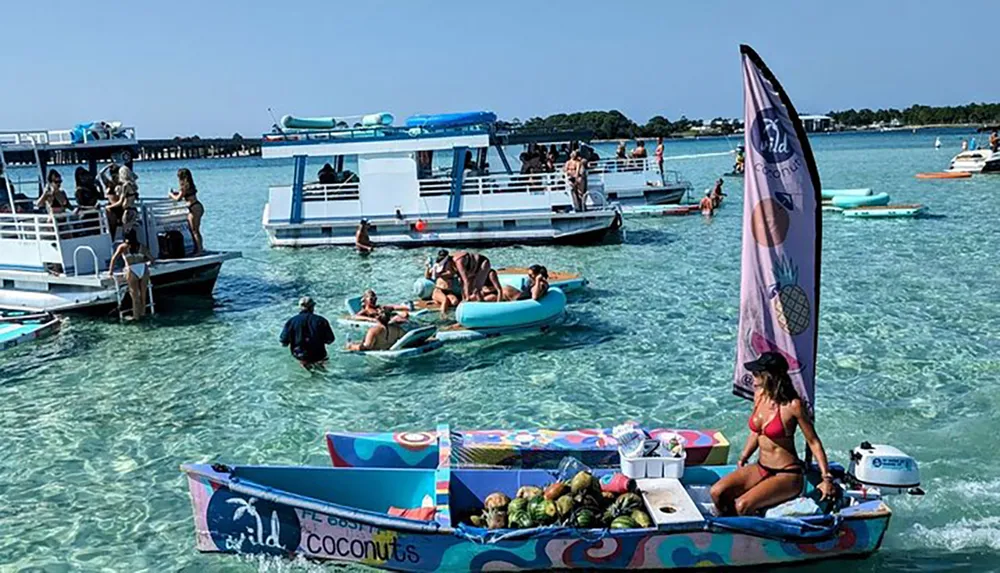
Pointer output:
882, 470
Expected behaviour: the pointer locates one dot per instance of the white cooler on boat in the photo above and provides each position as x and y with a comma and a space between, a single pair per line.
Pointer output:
654, 467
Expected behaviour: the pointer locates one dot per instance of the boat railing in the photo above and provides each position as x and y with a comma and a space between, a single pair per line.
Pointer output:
499, 183
76, 263
52, 227
61, 137
615, 165
349, 190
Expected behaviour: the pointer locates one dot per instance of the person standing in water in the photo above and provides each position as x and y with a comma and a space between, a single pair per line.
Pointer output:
994, 142
307, 334
706, 205
362, 242
189, 193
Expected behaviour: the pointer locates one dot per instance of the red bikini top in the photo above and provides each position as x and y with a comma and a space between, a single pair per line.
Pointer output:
774, 429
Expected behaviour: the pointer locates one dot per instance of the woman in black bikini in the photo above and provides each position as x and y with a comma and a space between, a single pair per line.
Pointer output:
444, 275
188, 192
778, 474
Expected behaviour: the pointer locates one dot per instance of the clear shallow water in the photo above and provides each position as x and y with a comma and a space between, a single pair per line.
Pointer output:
96, 420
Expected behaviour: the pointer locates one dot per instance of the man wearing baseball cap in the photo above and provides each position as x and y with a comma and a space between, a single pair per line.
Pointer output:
307, 334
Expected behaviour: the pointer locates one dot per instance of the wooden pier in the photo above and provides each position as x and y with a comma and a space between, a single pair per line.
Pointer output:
165, 149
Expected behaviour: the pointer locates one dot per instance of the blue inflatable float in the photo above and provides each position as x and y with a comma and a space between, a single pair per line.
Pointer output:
512, 315
446, 120
846, 202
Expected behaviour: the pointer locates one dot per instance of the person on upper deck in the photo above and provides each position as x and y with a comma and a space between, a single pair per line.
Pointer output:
621, 152
447, 287
536, 287
327, 175
362, 242
307, 334
779, 474
470, 169
189, 193
381, 336
53, 198
137, 262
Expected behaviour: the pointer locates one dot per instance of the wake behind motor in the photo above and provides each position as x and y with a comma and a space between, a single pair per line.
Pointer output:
882, 470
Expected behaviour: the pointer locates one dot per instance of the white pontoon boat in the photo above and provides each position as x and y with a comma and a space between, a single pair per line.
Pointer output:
60, 262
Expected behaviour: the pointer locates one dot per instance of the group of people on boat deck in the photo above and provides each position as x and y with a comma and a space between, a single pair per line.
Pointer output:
465, 275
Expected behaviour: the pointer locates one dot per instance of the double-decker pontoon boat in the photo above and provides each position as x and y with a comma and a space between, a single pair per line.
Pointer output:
427, 182
59, 262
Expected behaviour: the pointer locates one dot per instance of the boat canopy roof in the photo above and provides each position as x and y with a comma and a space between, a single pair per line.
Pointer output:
95, 140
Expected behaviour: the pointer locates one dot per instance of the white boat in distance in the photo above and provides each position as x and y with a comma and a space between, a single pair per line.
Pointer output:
976, 161
59, 262
409, 202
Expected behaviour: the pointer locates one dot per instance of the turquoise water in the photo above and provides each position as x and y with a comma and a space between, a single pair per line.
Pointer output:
97, 419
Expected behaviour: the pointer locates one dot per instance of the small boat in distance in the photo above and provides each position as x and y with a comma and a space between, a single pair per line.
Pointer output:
976, 161
427, 182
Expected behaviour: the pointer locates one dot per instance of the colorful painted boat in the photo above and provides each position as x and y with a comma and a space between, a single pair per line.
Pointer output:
846, 202
349, 513
945, 175
828, 194
18, 327
886, 211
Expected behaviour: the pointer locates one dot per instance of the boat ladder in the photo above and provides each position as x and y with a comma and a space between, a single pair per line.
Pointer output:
121, 291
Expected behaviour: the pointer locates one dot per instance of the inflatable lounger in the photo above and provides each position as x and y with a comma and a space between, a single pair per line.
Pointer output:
831, 193
353, 307
886, 212
414, 343
845, 202
513, 314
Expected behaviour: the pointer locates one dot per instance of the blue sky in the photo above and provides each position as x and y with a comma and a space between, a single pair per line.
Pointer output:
214, 67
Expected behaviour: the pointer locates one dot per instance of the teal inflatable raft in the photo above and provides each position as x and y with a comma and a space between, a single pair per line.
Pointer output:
416, 342
847, 202
515, 314
831, 193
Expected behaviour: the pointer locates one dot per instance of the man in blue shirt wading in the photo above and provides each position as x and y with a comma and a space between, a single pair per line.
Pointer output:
307, 334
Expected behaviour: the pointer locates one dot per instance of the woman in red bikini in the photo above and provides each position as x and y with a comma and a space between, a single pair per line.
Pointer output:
778, 474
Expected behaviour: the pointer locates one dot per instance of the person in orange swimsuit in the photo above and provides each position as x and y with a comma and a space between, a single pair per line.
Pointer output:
779, 474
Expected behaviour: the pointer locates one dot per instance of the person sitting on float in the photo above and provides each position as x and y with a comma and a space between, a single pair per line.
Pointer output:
535, 288
371, 309
381, 336
779, 474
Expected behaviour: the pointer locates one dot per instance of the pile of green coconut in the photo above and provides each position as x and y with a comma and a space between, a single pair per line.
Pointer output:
576, 503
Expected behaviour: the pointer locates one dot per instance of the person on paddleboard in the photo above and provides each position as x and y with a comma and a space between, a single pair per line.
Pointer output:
307, 334
779, 474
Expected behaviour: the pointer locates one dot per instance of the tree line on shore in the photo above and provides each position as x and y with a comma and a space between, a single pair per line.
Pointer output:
973, 113
614, 124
